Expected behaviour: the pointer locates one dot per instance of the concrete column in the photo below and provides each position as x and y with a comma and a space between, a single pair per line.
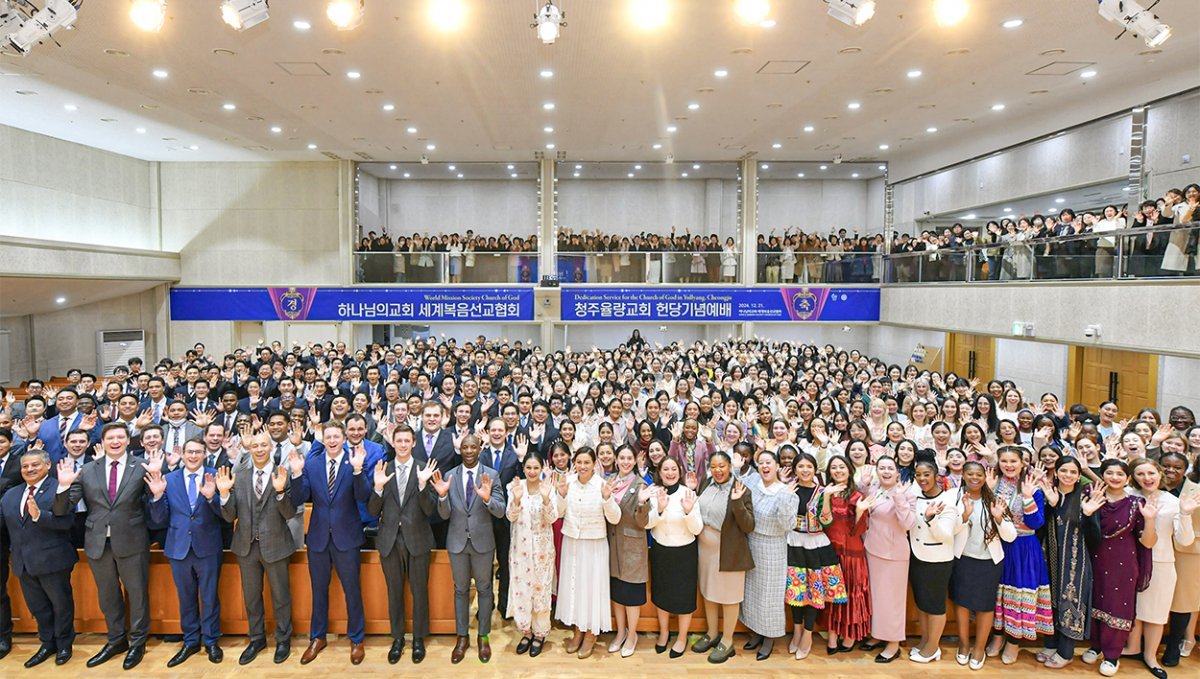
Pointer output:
748, 221
547, 202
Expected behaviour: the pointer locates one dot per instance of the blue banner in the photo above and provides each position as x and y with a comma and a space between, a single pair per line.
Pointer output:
720, 304
352, 304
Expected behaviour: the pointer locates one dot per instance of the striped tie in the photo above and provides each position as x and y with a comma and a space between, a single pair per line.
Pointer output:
332, 474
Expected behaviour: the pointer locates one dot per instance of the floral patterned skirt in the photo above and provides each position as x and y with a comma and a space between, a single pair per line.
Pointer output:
814, 577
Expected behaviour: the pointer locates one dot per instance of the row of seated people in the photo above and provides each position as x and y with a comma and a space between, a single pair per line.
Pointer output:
789, 484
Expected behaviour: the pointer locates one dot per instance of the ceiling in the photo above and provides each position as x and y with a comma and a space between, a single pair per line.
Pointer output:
1081, 199
478, 95
24, 296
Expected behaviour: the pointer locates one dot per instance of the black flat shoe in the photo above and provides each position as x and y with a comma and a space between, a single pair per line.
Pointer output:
183, 654
535, 647
883, 659
283, 650
133, 657
43, 654
418, 651
1158, 672
107, 653
865, 645
252, 650
523, 646
396, 651
753, 642
845, 649
63, 656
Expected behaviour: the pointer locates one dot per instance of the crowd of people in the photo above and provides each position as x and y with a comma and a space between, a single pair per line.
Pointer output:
796, 487
442, 258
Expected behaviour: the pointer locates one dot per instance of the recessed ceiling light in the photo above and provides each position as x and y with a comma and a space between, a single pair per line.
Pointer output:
883, 147
301, 25
60, 300
547, 129
547, 73
914, 73
277, 129
824, 167
392, 167
671, 128
1087, 74
140, 130
513, 175
451, 168
353, 75
407, 175
430, 147
630, 175
229, 107
854, 175
194, 147
693, 106
800, 175
696, 166
1060, 200
460, 176
720, 73
160, 73
776, 145
657, 147
549, 106
1008, 209
684, 174
883, 167
550, 146
312, 147
969, 216
637, 167
71, 107
931, 130
809, 128
1013, 23
997, 107
389, 107
854, 106
576, 174
412, 130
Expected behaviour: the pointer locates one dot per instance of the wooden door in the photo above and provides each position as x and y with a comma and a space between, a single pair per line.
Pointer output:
971, 356
1129, 378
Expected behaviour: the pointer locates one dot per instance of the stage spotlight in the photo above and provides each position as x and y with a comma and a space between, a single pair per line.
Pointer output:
1134, 18
548, 22
753, 12
42, 24
852, 12
950, 12
345, 15
243, 14
148, 15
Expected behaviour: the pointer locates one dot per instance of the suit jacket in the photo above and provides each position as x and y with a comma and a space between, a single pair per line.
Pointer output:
189, 529
443, 451
375, 453
406, 517
125, 517
509, 467
259, 518
146, 403
188, 430
700, 456
628, 550
10, 475
737, 526
335, 516
50, 435
471, 525
260, 409
38, 547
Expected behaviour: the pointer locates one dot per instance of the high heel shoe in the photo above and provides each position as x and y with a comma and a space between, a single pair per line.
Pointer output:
765, 649
753, 643
574, 644
917, 657
616, 643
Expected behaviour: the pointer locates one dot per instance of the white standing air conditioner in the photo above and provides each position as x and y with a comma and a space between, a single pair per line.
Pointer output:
116, 347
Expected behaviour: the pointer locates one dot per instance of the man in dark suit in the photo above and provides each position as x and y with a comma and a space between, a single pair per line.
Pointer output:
505, 461
42, 556
53, 432
79, 447
185, 501
117, 542
335, 484
202, 401
356, 436
469, 497
404, 504
437, 444
10, 475
256, 498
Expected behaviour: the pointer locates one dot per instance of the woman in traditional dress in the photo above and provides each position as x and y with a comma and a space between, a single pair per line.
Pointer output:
847, 622
1068, 562
814, 576
532, 513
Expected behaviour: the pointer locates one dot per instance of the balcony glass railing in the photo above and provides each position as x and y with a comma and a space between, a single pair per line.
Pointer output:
434, 268
672, 266
803, 268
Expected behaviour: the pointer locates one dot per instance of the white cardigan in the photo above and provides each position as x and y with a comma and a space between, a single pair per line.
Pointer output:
584, 510
1006, 531
932, 540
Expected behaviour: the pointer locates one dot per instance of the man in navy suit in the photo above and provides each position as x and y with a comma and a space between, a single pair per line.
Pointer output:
505, 461
335, 484
356, 436
186, 502
42, 556
156, 399
53, 432
434, 443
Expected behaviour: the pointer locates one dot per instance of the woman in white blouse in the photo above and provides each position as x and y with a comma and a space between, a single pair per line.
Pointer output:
1154, 603
932, 542
674, 523
585, 502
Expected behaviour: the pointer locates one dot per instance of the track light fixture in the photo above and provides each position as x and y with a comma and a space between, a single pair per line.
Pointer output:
852, 12
1132, 17
244, 14
23, 26
548, 21
148, 15
345, 15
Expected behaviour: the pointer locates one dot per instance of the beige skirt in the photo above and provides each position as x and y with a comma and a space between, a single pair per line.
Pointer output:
716, 586
1187, 583
1154, 603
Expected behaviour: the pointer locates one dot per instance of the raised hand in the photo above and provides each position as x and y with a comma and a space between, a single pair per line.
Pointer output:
381, 476
88, 422
688, 501
562, 483
522, 445
296, 433
968, 508
203, 418
1028, 486
993, 479
224, 481
1149, 509
67, 472
358, 455
440, 485
295, 463
32, 509
544, 490
484, 489
517, 491
1093, 502
998, 509
155, 460
738, 461
209, 488
145, 419
690, 481
156, 483
606, 489
1188, 503
663, 498
933, 509
426, 473
738, 490
279, 479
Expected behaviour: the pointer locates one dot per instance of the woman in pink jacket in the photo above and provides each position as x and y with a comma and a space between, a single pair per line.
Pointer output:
886, 542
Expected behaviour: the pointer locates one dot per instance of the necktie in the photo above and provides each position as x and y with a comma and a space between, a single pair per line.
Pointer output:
402, 478
175, 437
428, 444
28, 496
157, 412
278, 453
258, 483
470, 489
332, 474
191, 490
229, 422
210, 461
510, 439
496, 455
63, 422
112, 481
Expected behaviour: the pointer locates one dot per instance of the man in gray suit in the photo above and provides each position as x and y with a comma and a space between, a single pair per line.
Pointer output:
116, 541
255, 496
469, 497
178, 429
404, 504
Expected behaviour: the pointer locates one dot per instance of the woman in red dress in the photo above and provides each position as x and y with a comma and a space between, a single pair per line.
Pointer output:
848, 621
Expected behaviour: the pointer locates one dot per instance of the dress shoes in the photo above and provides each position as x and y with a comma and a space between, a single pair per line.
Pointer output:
107, 653
418, 652
396, 651
283, 651
315, 646
357, 653
63, 655
5, 647
134, 657
215, 654
183, 654
461, 644
485, 649
43, 654
256, 646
